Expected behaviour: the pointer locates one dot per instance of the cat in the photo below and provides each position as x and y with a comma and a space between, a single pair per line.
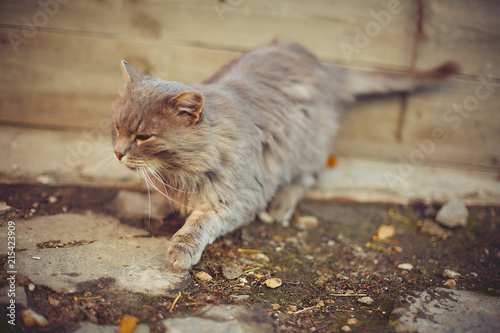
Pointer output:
253, 137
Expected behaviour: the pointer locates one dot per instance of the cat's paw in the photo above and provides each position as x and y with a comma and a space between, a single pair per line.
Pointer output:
183, 253
281, 210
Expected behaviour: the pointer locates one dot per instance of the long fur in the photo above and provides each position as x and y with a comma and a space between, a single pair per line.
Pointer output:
255, 135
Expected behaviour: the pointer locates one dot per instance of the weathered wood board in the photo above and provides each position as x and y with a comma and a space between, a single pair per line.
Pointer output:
59, 61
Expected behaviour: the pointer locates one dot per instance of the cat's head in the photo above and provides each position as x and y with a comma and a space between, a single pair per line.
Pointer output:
156, 124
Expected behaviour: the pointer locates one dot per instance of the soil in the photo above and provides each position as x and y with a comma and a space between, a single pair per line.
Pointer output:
324, 268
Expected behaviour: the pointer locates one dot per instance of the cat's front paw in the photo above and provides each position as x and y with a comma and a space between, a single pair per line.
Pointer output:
183, 253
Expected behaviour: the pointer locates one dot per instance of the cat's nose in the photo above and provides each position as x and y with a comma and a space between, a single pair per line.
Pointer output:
119, 156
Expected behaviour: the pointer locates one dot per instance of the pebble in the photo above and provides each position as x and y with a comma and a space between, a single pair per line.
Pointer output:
31, 318
450, 283
453, 214
366, 300
240, 297
346, 328
265, 217
448, 273
430, 227
352, 321
31, 287
4, 208
406, 266
53, 199
53, 301
273, 283
306, 222
276, 306
231, 271
203, 276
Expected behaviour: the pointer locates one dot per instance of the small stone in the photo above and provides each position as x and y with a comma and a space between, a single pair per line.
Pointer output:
4, 208
275, 306
240, 297
53, 199
366, 300
260, 257
273, 283
450, 283
448, 273
31, 318
53, 301
307, 222
406, 266
352, 321
430, 227
397, 248
346, 328
31, 287
453, 214
203, 276
231, 271
265, 217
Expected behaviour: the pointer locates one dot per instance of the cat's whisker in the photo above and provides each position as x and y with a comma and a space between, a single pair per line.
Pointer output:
165, 194
158, 176
142, 171
107, 161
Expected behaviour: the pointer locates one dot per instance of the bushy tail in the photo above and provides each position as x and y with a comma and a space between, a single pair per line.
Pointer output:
377, 82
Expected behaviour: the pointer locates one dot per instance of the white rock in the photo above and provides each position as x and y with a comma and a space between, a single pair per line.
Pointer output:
346, 328
265, 217
31, 318
406, 266
366, 300
448, 273
453, 214
307, 222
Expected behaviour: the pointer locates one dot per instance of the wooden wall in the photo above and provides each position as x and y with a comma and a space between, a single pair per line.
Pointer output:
59, 62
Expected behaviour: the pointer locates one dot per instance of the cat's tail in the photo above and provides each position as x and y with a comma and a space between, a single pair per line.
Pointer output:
359, 83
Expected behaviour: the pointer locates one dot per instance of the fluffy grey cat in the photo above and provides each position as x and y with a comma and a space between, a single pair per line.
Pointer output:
255, 136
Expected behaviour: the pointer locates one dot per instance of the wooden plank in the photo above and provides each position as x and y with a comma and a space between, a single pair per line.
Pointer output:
457, 124
64, 80
369, 128
323, 26
467, 31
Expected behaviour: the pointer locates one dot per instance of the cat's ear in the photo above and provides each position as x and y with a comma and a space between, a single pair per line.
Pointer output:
130, 73
189, 104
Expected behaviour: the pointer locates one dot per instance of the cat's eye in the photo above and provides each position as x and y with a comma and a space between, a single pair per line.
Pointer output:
143, 137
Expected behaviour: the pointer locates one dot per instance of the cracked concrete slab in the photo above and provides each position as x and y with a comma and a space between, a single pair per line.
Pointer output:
446, 310
225, 318
123, 256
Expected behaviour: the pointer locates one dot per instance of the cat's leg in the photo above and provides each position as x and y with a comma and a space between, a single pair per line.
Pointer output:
283, 204
201, 228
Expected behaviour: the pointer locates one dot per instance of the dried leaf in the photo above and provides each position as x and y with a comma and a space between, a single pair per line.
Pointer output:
273, 283
386, 231
128, 323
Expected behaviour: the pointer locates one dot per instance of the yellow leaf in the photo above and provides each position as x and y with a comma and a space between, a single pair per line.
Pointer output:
128, 323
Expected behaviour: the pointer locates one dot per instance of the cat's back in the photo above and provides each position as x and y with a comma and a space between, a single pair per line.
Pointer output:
275, 63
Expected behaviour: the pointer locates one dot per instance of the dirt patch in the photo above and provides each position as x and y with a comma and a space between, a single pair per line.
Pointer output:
324, 268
